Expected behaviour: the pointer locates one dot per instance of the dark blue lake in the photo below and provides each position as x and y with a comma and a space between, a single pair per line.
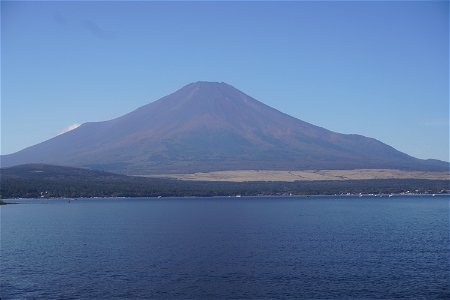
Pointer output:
226, 248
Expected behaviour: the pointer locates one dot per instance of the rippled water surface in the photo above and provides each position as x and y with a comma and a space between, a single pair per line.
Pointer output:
207, 248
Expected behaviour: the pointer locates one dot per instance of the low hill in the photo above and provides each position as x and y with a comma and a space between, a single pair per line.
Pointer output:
42, 180
52, 172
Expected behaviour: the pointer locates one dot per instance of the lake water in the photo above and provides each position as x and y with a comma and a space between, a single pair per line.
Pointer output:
226, 248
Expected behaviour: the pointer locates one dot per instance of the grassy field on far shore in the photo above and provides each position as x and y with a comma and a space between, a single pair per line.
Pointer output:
306, 175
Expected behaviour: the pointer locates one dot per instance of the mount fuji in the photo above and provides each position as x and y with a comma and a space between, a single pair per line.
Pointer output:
209, 126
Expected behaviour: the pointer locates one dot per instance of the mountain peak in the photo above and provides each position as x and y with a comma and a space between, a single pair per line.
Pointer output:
207, 83
205, 86
206, 93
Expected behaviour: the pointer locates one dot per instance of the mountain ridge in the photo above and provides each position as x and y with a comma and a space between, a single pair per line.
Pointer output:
210, 126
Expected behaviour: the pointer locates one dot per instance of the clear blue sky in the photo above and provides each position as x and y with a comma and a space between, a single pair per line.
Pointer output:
380, 69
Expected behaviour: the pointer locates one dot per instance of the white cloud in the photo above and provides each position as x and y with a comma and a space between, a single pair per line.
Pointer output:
69, 128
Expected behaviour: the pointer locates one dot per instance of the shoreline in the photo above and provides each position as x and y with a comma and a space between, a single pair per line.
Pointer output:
2, 201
